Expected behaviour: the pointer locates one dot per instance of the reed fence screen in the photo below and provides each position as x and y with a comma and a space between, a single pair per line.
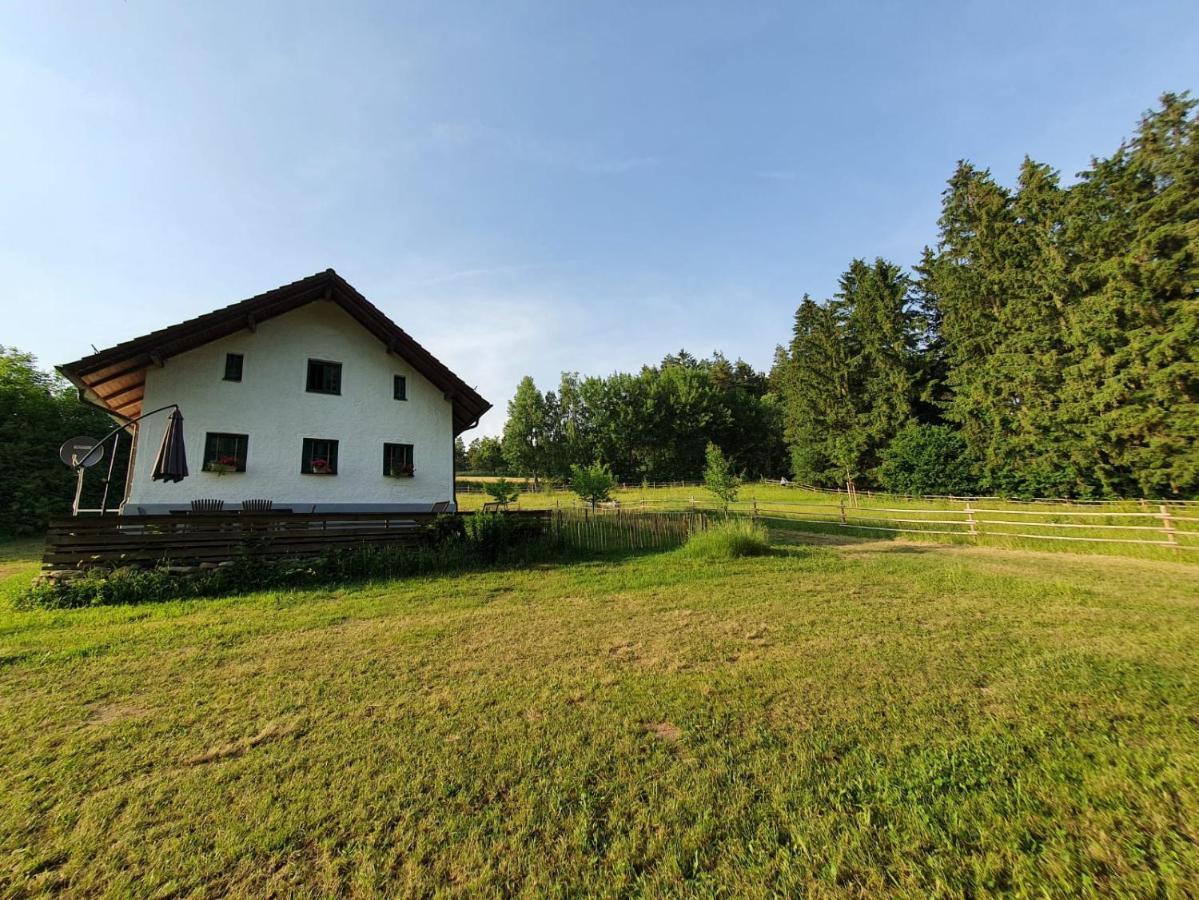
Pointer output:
617, 528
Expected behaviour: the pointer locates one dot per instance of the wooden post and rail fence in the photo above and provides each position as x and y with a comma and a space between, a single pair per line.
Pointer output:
1173, 525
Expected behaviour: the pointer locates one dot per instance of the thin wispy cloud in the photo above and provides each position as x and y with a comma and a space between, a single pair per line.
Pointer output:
484, 272
617, 166
583, 157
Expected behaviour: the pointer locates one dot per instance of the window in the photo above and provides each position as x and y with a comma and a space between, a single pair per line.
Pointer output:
320, 457
397, 460
233, 364
225, 452
400, 387
324, 377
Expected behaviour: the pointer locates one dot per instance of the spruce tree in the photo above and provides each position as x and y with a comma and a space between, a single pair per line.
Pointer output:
819, 417
880, 334
1134, 227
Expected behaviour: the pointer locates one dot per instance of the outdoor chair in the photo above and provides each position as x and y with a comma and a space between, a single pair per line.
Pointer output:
442, 507
257, 506
207, 506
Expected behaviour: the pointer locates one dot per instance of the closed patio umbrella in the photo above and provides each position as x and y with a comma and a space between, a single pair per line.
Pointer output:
171, 464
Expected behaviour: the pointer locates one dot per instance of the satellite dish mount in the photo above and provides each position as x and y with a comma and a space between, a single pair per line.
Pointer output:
82, 452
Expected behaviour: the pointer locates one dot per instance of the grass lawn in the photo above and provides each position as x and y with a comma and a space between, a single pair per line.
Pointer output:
841, 717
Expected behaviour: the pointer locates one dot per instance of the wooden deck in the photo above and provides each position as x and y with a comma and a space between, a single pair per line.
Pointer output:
76, 543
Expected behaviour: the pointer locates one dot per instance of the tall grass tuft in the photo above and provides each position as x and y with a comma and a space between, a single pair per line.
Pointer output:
728, 540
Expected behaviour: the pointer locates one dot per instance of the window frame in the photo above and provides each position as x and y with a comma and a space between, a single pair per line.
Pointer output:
308, 452
308, 379
399, 387
241, 366
389, 468
213, 454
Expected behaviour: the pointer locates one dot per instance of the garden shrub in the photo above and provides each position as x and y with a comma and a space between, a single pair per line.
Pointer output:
497, 536
927, 459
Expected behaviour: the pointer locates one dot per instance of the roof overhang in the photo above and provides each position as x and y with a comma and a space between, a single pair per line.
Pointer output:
115, 379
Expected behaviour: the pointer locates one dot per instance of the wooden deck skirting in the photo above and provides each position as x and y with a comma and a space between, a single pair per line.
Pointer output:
77, 543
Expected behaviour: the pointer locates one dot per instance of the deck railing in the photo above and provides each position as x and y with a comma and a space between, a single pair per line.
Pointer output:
74, 543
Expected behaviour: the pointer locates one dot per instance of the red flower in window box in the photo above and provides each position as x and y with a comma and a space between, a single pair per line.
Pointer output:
321, 467
221, 465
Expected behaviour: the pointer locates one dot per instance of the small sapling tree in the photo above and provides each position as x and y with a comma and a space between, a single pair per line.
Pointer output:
592, 483
502, 491
719, 478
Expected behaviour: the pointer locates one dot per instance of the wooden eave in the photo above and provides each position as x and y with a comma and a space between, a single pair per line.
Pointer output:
114, 379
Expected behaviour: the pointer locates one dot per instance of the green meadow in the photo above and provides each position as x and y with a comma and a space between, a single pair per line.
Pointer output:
839, 718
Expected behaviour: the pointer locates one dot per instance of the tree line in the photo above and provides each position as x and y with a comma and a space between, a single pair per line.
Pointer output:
652, 425
38, 412
1047, 344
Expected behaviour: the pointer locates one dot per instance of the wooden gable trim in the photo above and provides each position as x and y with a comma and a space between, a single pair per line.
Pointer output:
105, 373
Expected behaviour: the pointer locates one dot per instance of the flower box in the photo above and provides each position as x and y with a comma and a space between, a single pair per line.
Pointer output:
321, 467
402, 472
222, 466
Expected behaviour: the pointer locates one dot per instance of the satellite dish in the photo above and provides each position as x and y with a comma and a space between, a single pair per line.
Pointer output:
73, 451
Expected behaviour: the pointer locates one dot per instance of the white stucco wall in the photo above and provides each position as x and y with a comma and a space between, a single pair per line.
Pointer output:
271, 405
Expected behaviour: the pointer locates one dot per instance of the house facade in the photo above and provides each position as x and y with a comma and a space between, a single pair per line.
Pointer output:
307, 396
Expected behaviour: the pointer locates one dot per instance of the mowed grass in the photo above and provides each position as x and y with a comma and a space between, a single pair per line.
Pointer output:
839, 719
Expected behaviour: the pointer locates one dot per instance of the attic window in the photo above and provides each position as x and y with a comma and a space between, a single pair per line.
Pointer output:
233, 366
399, 387
324, 377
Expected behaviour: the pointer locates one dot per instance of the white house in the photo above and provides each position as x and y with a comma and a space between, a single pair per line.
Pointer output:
307, 396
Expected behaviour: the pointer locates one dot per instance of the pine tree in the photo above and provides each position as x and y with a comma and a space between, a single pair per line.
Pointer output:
819, 417
849, 380
1134, 226
965, 278
881, 332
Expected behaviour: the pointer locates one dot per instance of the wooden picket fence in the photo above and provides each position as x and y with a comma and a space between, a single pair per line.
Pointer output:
613, 528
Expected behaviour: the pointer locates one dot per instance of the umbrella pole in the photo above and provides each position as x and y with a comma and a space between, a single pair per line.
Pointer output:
112, 460
121, 427
79, 464
78, 490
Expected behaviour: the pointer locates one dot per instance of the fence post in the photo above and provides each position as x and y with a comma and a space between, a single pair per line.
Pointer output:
842, 499
755, 514
1168, 525
970, 519
693, 504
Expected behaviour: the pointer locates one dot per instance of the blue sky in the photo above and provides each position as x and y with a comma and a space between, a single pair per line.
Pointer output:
527, 187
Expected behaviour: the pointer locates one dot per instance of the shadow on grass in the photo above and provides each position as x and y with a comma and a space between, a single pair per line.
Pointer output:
790, 532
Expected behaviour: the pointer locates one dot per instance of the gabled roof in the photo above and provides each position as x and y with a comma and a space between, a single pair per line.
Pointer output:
115, 378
